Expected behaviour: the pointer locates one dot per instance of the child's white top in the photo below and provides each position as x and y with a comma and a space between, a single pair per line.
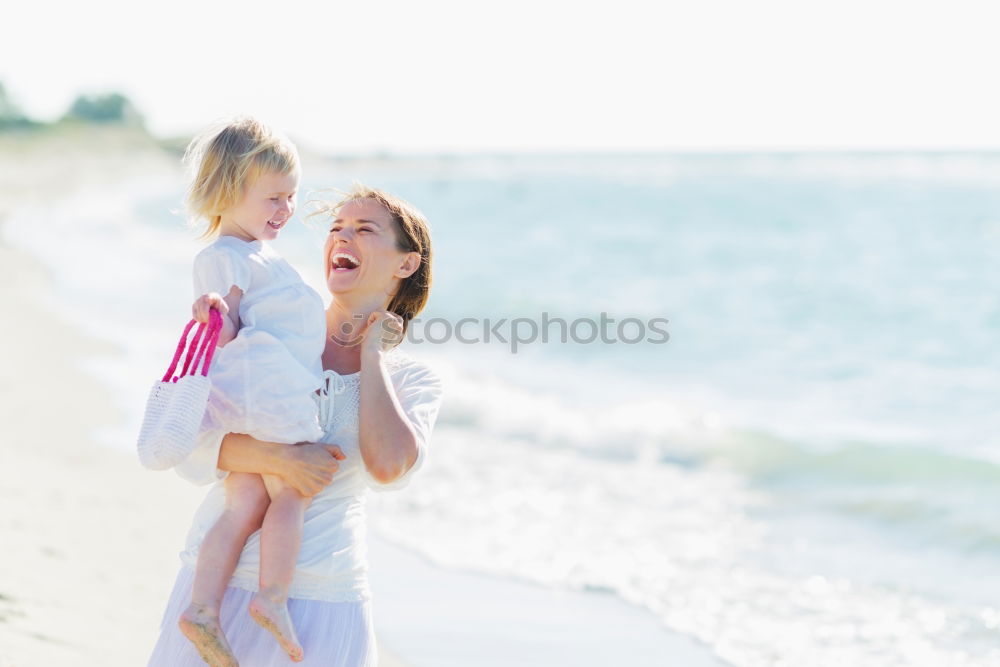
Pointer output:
263, 380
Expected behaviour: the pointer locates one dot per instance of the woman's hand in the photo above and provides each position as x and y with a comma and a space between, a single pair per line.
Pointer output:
383, 331
310, 467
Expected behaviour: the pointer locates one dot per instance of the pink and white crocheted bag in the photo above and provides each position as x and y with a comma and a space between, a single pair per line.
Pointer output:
176, 404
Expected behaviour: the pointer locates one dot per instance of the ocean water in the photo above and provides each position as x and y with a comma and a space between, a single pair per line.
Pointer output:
803, 473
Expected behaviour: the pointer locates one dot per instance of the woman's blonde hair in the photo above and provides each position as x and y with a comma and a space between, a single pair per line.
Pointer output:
413, 234
228, 157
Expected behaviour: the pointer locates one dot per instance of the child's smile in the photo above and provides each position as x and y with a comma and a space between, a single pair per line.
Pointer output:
267, 205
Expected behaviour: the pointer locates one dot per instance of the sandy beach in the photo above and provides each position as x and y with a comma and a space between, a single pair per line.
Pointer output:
90, 538
87, 535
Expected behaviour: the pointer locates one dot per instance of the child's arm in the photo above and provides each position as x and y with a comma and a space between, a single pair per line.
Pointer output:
228, 307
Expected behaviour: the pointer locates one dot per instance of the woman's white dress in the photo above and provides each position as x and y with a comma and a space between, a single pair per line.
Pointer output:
330, 598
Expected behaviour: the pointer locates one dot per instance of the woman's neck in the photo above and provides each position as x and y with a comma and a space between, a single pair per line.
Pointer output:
345, 323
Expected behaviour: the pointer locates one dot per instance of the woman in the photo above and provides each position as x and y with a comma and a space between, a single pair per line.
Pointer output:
377, 408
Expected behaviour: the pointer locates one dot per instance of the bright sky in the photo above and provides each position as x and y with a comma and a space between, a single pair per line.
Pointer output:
419, 75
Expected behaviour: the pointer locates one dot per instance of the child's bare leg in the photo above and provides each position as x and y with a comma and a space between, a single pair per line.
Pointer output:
280, 539
246, 503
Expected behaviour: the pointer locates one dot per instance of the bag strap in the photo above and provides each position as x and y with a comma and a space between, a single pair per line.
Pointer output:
209, 343
208, 336
192, 347
177, 354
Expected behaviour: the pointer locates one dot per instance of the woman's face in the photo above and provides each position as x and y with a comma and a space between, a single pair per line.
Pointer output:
360, 254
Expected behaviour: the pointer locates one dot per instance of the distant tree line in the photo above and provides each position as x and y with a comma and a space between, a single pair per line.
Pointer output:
106, 109
11, 117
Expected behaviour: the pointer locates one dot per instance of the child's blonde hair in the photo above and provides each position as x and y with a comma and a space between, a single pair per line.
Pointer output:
228, 157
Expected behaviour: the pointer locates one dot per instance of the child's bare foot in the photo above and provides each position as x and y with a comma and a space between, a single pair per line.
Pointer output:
201, 626
272, 615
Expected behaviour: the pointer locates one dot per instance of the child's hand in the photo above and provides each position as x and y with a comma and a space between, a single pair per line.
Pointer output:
205, 303
228, 307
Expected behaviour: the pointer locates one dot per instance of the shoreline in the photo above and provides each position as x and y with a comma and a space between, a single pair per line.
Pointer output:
93, 537
450, 618
73, 602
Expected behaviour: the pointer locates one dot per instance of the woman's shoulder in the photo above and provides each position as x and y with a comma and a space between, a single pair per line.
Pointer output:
405, 369
419, 390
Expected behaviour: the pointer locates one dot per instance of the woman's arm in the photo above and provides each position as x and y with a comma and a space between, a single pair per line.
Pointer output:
307, 467
387, 440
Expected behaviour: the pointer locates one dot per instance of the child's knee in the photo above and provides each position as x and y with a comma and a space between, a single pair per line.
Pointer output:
247, 518
247, 504
290, 496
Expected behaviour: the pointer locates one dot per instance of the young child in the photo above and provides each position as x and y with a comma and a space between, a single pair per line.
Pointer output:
244, 182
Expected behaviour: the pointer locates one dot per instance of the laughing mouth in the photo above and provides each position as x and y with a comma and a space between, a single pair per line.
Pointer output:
344, 261
274, 224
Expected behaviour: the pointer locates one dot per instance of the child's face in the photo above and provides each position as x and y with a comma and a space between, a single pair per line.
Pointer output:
264, 209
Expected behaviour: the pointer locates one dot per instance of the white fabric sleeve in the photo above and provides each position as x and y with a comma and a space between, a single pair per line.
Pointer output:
201, 465
419, 392
218, 269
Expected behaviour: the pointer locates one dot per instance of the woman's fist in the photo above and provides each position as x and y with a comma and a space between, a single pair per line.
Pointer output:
383, 331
